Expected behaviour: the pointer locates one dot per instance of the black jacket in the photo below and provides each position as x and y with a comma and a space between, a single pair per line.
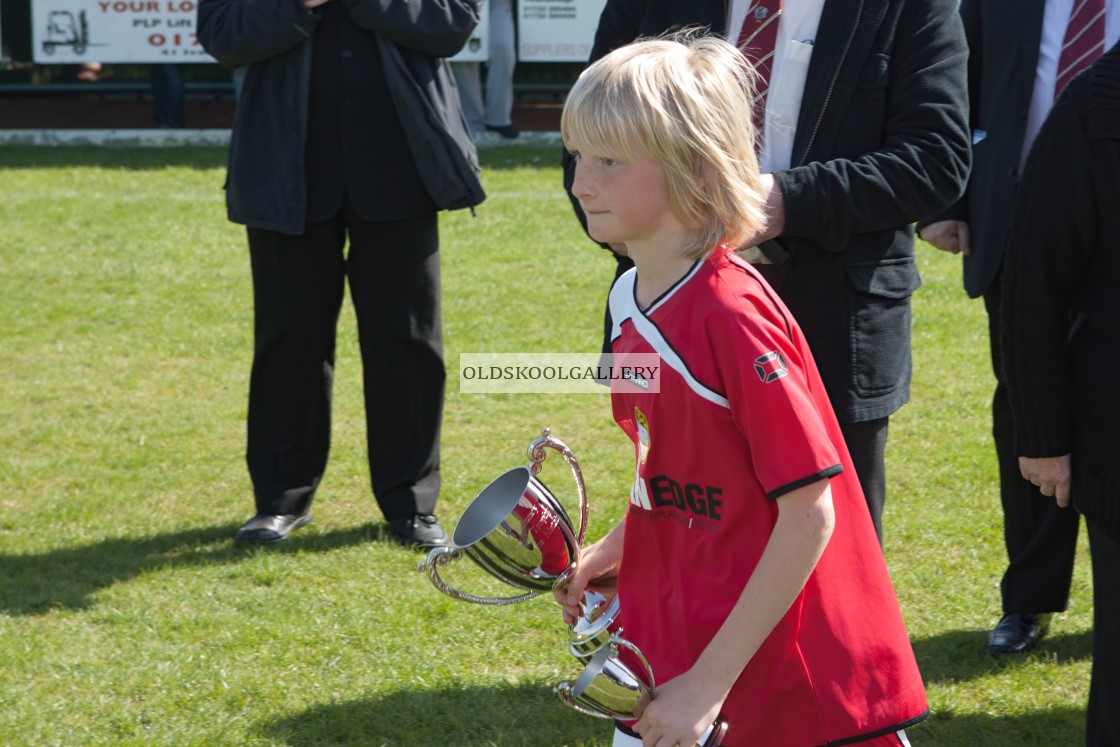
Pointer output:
267, 170
1061, 329
882, 140
1003, 41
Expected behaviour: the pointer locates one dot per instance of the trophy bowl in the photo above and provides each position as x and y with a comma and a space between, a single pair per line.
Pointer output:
517, 531
608, 688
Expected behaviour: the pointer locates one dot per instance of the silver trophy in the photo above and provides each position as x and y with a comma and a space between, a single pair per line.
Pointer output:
608, 688
518, 532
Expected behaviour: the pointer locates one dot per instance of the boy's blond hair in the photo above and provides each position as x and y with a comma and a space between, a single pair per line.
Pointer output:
686, 101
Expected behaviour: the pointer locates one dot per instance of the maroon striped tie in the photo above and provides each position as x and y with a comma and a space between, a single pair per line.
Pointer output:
756, 40
1084, 41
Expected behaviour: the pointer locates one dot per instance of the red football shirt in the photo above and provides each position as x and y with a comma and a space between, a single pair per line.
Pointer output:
740, 419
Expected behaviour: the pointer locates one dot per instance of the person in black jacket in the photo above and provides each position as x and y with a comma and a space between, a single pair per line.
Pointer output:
1012, 75
1061, 337
871, 134
348, 128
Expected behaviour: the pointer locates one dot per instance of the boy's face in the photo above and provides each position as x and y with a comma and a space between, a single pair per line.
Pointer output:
625, 201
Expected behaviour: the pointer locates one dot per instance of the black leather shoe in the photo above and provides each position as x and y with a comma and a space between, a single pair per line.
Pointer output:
509, 132
1018, 632
264, 529
421, 531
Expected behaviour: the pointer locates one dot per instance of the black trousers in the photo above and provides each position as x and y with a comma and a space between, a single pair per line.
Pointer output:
1041, 538
867, 444
298, 284
1103, 722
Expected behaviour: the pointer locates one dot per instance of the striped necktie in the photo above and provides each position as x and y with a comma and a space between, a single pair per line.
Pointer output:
1084, 41
756, 40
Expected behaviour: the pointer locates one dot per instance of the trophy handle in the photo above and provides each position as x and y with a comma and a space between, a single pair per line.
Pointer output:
564, 690
616, 641
444, 556
536, 456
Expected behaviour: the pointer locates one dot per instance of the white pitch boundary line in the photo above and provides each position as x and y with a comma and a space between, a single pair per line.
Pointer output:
162, 138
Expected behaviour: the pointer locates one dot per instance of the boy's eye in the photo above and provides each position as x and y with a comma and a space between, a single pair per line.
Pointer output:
607, 161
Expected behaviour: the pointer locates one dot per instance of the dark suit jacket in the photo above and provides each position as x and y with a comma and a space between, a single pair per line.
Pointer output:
882, 140
1061, 320
1003, 40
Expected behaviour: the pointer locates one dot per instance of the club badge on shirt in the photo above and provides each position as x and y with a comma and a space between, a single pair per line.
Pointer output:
770, 367
643, 435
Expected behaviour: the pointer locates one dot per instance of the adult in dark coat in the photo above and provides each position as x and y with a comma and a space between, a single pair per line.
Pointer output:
348, 128
1011, 73
881, 141
1062, 343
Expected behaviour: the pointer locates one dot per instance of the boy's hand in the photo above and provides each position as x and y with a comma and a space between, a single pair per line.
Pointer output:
681, 710
570, 596
597, 570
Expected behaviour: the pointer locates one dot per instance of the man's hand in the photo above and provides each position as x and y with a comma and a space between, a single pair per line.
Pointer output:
1050, 474
775, 209
949, 236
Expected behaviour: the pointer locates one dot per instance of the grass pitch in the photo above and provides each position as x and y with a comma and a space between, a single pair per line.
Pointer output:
128, 616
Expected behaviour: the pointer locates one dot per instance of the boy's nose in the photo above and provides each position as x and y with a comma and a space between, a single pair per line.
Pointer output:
581, 186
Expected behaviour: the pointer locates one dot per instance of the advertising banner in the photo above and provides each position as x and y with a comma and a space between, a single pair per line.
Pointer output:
115, 31
154, 31
557, 30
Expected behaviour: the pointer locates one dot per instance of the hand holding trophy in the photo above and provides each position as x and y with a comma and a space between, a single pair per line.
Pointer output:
608, 688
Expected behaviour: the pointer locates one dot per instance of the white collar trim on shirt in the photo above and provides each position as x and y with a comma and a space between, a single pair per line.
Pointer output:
623, 307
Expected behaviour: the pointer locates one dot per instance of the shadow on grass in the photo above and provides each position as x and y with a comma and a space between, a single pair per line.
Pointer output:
960, 655
67, 578
1049, 728
470, 716
531, 716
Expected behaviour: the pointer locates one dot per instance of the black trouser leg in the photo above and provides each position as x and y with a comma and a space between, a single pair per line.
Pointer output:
1103, 722
1041, 538
297, 294
867, 444
393, 270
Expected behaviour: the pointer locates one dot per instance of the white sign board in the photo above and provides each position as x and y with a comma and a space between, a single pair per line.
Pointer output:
115, 31
557, 30
477, 48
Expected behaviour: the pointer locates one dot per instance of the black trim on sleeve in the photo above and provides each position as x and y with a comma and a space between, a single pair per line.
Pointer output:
790, 487
626, 729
